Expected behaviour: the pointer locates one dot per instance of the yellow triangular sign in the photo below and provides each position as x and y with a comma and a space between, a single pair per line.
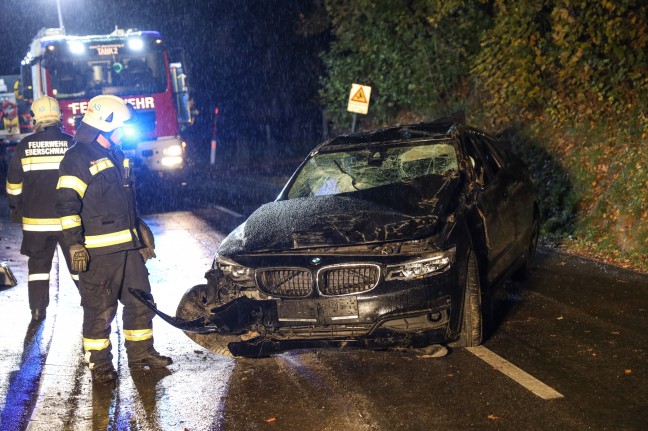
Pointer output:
359, 96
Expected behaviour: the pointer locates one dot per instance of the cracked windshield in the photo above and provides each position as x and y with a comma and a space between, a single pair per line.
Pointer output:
366, 168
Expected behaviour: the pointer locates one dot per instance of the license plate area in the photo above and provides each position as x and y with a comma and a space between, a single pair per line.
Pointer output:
322, 311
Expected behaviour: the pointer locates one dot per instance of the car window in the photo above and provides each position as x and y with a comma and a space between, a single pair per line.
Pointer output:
365, 168
477, 160
491, 161
496, 153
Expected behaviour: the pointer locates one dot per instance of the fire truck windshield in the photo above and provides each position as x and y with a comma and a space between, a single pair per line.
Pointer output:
85, 69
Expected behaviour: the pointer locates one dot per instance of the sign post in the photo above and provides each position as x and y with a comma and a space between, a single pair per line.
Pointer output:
358, 101
212, 154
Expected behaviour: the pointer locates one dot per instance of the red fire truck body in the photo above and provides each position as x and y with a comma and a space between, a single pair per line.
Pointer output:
133, 65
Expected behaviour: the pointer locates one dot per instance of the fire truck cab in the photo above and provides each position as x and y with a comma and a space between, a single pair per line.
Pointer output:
133, 65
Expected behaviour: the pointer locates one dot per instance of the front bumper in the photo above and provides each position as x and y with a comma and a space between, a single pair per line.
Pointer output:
400, 313
164, 155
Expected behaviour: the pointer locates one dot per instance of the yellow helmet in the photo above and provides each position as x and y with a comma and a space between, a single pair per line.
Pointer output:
107, 113
46, 109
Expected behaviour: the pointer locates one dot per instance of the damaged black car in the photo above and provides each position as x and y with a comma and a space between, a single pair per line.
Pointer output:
396, 237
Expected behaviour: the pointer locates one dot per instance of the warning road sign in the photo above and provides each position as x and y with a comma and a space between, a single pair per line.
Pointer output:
359, 98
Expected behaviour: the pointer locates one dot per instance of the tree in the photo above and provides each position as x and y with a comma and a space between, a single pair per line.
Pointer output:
415, 54
574, 60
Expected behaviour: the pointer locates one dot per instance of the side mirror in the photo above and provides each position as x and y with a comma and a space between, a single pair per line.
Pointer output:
181, 92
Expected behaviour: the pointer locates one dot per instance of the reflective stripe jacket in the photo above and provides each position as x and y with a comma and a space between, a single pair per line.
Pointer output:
96, 199
33, 175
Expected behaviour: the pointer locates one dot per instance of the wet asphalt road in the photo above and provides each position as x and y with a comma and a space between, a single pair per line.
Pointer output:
579, 329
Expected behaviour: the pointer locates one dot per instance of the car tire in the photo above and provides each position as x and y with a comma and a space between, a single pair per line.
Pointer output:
472, 321
196, 303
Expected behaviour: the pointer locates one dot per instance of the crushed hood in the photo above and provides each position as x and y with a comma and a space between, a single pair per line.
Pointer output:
388, 213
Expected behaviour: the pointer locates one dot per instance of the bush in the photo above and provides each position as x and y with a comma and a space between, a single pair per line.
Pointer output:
566, 80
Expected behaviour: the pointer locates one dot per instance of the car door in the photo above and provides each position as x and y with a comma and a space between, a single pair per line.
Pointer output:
521, 196
494, 199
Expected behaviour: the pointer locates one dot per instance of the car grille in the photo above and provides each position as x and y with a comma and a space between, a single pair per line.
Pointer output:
346, 280
331, 281
285, 282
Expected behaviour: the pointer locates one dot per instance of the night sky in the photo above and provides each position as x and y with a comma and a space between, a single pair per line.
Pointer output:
247, 57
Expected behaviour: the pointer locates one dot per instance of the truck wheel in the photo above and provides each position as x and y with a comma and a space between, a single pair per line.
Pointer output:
196, 303
472, 322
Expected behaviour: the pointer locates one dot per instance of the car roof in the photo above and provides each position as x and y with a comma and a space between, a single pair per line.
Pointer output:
441, 128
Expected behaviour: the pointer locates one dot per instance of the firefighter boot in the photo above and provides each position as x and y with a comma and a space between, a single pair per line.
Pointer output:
104, 373
151, 359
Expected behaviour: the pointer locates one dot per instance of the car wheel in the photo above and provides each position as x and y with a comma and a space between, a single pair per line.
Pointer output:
472, 322
196, 303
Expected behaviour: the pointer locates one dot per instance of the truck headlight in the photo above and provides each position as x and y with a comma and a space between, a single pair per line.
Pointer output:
171, 161
233, 270
425, 266
172, 151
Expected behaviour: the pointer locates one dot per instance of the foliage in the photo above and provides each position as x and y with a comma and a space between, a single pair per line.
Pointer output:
565, 79
592, 183
558, 198
510, 62
415, 54
573, 60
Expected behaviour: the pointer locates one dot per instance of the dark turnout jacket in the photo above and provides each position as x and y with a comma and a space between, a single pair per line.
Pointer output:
32, 177
96, 199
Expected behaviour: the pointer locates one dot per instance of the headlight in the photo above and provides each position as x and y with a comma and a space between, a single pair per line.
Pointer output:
425, 266
173, 150
233, 270
171, 161
135, 43
76, 47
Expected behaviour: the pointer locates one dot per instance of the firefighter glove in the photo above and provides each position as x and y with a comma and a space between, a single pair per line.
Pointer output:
16, 215
148, 252
80, 257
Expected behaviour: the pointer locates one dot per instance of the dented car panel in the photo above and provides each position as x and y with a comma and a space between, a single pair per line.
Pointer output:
395, 237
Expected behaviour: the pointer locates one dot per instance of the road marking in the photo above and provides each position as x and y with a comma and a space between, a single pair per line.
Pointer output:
522, 377
227, 211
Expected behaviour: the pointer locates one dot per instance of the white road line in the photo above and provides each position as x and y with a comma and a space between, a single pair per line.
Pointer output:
522, 377
227, 211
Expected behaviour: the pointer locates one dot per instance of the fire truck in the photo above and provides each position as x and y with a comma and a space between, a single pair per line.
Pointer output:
134, 65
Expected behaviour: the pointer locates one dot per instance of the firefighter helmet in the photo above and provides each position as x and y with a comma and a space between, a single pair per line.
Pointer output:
107, 113
46, 109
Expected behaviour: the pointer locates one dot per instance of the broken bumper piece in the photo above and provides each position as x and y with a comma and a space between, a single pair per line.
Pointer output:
197, 326
240, 315
233, 317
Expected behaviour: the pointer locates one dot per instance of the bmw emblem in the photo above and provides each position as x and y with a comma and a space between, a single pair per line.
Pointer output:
316, 260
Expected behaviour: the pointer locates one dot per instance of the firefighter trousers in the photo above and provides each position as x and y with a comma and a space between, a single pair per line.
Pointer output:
40, 247
105, 282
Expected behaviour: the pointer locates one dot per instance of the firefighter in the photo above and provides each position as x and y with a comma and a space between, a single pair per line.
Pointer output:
31, 192
10, 121
109, 244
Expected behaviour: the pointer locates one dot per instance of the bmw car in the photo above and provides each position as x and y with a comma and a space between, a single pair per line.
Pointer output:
396, 237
